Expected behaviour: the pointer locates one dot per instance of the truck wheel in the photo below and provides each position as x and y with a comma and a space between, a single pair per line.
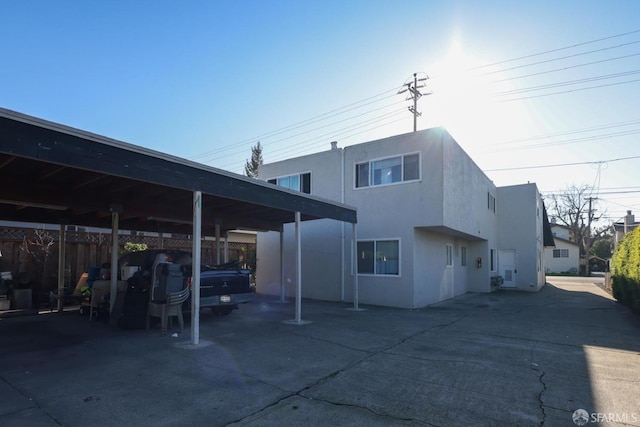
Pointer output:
222, 311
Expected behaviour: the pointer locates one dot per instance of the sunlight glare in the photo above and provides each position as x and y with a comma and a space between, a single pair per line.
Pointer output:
464, 102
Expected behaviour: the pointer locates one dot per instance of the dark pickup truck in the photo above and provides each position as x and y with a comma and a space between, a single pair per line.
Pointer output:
222, 287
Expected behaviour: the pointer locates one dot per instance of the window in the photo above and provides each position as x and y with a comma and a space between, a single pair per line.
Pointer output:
388, 171
491, 202
561, 253
463, 256
449, 255
300, 182
493, 259
379, 257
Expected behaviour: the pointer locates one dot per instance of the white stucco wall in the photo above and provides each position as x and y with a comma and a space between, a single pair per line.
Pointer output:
446, 205
562, 265
520, 216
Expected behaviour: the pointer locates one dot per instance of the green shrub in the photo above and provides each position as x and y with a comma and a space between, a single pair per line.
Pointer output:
625, 270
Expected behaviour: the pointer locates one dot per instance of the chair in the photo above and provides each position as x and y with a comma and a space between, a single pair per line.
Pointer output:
171, 308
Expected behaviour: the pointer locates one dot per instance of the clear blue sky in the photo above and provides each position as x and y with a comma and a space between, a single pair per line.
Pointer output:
206, 80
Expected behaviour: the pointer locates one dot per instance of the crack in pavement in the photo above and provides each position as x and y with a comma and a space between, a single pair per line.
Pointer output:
541, 404
378, 414
368, 355
35, 402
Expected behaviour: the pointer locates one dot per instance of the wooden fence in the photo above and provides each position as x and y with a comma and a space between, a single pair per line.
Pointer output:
82, 250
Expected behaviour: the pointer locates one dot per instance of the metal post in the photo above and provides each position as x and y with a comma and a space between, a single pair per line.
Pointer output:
355, 270
195, 267
226, 247
61, 256
115, 224
298, 271
218, 243
415, 102
298, 319
355, 266
282, 280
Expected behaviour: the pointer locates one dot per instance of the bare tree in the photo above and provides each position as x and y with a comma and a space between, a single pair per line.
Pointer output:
38, 246
577, 209
252, 166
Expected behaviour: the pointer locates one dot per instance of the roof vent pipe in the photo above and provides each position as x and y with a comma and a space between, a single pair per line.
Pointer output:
334, 145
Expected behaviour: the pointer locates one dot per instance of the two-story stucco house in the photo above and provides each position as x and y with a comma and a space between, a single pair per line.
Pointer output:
431, 225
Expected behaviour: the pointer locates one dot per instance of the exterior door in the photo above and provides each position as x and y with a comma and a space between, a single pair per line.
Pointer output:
508, 268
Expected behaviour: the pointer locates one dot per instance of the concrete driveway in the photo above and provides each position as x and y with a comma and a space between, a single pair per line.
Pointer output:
502, 359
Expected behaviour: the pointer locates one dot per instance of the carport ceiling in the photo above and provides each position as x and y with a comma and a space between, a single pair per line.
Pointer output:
55, 174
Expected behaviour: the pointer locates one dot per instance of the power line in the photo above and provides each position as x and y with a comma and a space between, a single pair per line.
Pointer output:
546, 61
569, 91
552, 135
554, 50
266, 144
570, 141
313, 140
301, 123
562, 164
568, 83
373, 99
564, 68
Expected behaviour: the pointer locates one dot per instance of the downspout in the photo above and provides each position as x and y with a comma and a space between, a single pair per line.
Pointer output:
342, 194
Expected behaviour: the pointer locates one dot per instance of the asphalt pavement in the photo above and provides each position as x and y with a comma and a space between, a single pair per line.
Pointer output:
503, 359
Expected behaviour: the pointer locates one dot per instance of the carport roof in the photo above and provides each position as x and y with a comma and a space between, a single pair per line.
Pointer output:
55, 174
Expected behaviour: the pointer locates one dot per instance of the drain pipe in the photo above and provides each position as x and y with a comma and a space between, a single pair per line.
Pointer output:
334, 146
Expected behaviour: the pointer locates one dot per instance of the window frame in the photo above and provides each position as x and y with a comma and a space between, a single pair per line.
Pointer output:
375, 267
370, 171
491, 202
301, 181
449, 255
463, 256
562, 253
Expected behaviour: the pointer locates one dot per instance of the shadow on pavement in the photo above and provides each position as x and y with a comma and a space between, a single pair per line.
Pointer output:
505, 358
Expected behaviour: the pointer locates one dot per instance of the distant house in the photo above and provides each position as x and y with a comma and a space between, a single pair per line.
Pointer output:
564, 257
621, 228
431, 225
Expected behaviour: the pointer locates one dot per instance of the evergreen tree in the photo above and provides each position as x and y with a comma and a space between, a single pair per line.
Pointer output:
251, 166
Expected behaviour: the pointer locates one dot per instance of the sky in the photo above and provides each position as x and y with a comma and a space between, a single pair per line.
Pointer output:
534, 91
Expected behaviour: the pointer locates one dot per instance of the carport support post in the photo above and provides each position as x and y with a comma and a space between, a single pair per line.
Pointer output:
355, 270
226, 247
298, 272
115, 224
217, 225
195, 267
298, 319
282, 299
61, 255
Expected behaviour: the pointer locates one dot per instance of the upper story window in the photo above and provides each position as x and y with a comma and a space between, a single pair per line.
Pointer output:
491, 202
299, 182
388, 171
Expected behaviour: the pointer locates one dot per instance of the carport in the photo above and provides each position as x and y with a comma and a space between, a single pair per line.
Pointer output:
55, 174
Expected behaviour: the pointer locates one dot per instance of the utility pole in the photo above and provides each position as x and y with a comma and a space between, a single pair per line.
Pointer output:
412, 87
587, 245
